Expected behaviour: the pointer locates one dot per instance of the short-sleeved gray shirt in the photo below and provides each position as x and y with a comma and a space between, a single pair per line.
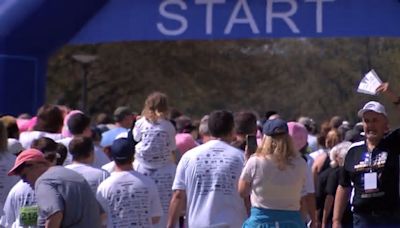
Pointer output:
61, 189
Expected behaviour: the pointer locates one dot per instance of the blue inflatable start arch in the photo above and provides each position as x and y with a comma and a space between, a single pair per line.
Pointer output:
31, 30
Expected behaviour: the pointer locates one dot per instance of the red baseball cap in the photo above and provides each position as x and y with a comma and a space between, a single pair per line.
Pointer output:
27, 155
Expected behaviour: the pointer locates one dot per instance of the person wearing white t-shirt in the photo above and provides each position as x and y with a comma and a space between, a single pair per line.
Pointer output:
20, 197
129, 198
155, 135
207, 180
204, 133
82, 151
78, 125
49, 122
109, 167
163, 178
275, 178
156, 147
6, 162
299, 136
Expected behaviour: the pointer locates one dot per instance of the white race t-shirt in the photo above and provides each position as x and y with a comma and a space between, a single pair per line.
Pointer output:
6, 182
316, 153
21, 196
130, 199
163, 178
66, 141
273, 188
156, 141
109, 167
100, 158
26, 138
92, 175
209, 174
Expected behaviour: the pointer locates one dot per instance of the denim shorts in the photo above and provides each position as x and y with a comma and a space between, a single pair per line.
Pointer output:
269, 218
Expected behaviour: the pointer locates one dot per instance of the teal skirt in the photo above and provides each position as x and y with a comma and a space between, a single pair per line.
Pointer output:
268, 218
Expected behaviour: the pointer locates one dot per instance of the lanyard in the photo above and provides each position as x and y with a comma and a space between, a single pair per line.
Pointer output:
369, 155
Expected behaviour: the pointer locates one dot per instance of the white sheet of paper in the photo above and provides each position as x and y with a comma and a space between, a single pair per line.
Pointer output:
370, 181
369, 83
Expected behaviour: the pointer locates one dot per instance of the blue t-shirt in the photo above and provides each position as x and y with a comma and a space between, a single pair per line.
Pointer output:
108, 137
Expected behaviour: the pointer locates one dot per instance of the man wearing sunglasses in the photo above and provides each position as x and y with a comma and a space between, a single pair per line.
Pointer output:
63, 196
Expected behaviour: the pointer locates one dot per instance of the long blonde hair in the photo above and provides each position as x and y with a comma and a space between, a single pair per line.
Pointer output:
279, 148
155, 106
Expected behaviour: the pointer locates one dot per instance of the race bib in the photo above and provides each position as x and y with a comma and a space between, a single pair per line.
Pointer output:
28, 216
370, 181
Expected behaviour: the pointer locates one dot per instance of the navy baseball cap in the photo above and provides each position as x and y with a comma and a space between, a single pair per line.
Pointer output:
122, 149
275, 127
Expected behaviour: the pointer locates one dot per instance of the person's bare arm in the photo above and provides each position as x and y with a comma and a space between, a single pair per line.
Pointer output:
247, 204
54, 221
176, 206
341, 198
310, 205
317, 166
244, 191
327, 209
103, 218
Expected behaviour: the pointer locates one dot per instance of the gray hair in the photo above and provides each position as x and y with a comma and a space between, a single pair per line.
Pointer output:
338, 154
203, 127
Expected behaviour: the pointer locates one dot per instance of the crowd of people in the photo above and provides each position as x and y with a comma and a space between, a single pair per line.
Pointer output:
160, 168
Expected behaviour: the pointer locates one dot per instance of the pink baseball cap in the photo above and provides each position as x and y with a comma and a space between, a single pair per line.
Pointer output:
24, 156
299, 134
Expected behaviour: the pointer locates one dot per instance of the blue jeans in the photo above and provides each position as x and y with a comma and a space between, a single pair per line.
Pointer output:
268, 218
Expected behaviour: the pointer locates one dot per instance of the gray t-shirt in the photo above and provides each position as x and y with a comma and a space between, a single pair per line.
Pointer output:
61, 189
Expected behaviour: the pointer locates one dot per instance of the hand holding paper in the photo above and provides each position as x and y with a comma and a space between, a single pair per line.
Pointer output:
369, 83
383, 88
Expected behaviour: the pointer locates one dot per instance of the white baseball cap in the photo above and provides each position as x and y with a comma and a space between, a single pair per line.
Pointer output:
373, 106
